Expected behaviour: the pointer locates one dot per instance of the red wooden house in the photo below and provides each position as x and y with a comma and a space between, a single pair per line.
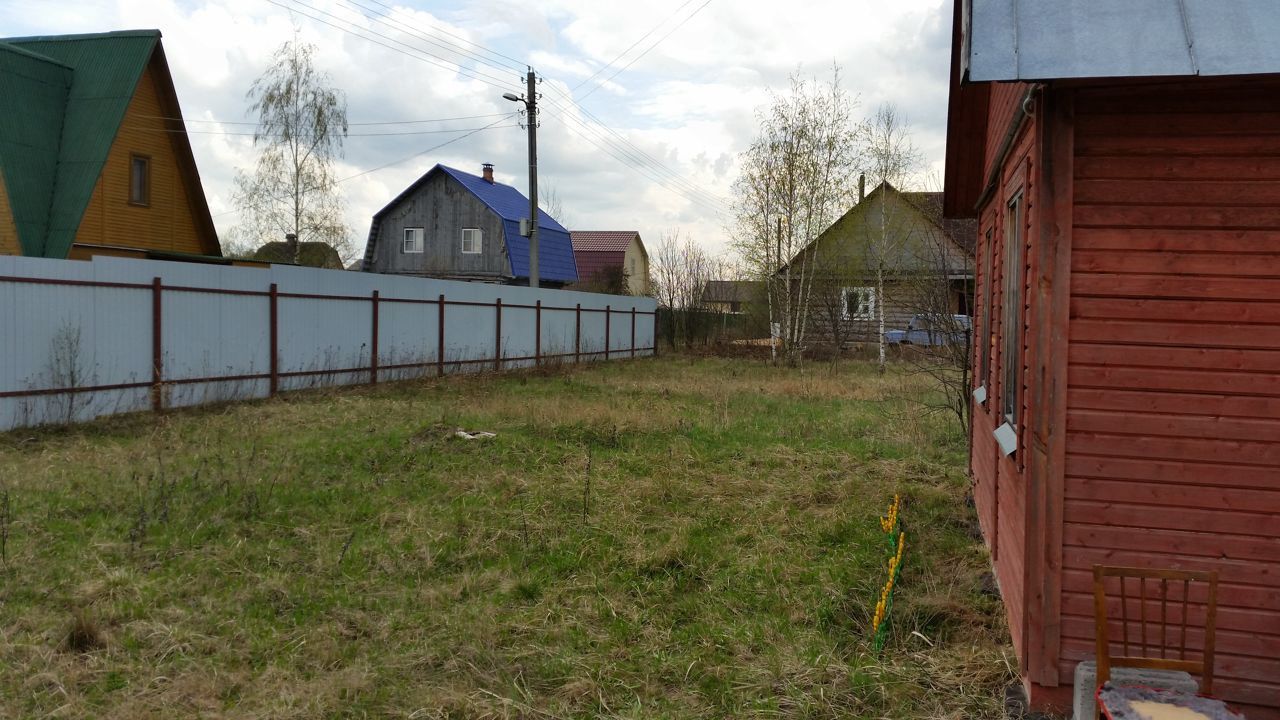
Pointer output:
1123, 162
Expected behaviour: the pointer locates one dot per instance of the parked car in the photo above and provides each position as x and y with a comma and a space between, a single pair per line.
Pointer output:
926, 329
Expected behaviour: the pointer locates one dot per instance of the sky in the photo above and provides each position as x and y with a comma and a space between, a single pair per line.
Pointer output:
645, 107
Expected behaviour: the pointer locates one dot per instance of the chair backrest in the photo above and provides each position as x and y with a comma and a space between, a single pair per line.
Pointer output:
1172, 590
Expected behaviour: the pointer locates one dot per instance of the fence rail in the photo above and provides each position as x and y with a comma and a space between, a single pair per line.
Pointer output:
387, 345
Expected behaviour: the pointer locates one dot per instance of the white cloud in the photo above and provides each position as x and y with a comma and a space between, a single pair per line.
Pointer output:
689, 102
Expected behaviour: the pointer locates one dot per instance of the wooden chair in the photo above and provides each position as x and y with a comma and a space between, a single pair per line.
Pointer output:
1145, 649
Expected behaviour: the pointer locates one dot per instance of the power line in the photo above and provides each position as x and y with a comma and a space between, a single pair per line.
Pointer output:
348, 135
517, 64
657, 172
646, 51
601, 142
439, 62
638, 156
351, 124
386, 19
632, 45
493, 125
644, 157
451, 64
634, 157
625, 152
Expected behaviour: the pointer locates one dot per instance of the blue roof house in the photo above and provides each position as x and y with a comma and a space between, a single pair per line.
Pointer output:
455, 225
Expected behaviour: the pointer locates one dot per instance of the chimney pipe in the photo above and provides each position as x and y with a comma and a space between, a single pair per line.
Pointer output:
862, 186
487, 172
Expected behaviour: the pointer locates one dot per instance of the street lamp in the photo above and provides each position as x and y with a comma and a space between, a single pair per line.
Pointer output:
530, 101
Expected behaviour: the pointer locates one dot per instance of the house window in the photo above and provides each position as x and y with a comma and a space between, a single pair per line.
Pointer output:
412, 240
1013, 262
859, 303
989, 290
631, 267
471, 240
139, 180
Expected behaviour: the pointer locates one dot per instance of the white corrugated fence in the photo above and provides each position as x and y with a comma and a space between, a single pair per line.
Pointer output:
86, 339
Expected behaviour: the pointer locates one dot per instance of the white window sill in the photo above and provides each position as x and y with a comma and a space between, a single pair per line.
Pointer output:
1007, 438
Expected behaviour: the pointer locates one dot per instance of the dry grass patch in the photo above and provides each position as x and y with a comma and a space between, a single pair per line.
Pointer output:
670, 538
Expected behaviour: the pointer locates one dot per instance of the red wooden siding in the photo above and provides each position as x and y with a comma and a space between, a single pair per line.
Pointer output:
983, 453
1000, 488
1173, 409
1004, 101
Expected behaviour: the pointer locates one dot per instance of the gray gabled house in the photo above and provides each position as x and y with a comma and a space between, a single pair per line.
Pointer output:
925, 259
455, 225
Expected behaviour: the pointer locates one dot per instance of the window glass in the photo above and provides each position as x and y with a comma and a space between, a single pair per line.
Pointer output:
139, 180
412, 240
859, 303
1012, 310
471, 240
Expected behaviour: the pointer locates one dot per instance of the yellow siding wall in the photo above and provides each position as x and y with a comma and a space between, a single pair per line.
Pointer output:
637, 282
168, 223
8, 231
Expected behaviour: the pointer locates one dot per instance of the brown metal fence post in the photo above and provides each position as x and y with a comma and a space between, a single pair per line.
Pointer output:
157, 346
608, 312
537, 333
577, 334
274, 299
497, 337
440, 341
633, 331
373, 344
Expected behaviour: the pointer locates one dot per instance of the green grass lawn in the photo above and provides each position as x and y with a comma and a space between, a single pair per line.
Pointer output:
661, 538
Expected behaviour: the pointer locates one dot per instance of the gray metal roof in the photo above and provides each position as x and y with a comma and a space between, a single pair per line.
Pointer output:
1048, 39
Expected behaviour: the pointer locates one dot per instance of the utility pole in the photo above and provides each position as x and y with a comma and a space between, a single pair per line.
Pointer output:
531, 102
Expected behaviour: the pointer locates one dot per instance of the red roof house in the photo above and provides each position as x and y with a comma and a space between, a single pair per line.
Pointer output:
1123, 163
602, 253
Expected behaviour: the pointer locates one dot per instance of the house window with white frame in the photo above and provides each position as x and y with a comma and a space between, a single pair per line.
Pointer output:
859, 303
471, 241
412, 240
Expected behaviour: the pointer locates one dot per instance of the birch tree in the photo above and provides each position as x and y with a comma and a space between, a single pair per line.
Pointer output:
302, 123
891, 158
796, 178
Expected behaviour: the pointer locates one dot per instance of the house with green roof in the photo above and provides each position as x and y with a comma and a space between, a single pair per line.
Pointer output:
94, 155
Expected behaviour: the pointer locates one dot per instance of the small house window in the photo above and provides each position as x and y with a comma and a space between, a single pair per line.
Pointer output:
139, 180
631, 266
412, 240
471, 240
859, 303
1014, 258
